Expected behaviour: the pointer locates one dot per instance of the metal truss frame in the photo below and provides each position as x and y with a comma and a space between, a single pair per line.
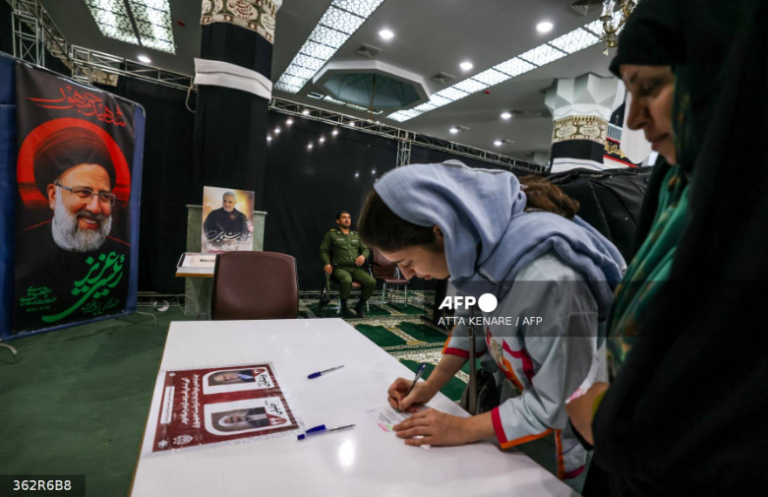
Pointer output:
87, 65
384, 130
34, 32
403, 153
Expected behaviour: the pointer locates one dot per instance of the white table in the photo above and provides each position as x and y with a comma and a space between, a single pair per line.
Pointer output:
360, 461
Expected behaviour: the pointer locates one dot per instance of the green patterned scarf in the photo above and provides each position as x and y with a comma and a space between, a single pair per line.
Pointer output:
649, 270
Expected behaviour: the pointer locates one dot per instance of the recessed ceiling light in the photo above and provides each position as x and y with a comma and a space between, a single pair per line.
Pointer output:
373, 171
310, 146
466, 66
506, 115
352, 124
322, 139
335, 132
386, 34
305, 112
145, 59
269, 138
277, 131
454, 130
357, 174
544, 27
497, 143
289, 122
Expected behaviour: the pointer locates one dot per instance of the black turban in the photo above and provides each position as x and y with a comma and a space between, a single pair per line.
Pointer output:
68, 148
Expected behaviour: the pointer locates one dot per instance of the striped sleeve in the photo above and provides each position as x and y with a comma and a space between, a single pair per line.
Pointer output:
458, 342
564, 362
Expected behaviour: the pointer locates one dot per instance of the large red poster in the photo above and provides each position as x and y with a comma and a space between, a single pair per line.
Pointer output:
212, 405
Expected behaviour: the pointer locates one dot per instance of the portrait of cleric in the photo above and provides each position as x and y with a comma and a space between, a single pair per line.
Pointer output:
72, 265
227, 228
241, 419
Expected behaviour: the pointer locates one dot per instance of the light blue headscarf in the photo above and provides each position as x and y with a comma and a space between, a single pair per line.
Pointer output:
488, 234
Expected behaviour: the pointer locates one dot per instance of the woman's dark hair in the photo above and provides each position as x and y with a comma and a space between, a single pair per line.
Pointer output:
381, 228
544, 195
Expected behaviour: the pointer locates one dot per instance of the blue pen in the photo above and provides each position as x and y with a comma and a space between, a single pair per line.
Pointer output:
321, 429
419, 372
321, 373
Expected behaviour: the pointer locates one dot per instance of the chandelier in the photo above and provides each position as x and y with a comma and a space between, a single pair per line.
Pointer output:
614, 22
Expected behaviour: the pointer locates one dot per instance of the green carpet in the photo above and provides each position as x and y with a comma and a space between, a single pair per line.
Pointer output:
77, 401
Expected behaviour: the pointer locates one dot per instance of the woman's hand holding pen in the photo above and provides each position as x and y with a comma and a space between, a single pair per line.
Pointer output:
421, 394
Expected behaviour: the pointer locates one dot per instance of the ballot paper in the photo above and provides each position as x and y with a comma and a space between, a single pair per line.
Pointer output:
218, 404
386, 418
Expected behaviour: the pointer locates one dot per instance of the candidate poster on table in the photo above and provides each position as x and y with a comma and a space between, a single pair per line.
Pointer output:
227, 220
79, 174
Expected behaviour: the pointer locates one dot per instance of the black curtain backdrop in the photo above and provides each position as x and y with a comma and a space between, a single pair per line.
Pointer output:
6, 29
305, 189
168, 183
424, 155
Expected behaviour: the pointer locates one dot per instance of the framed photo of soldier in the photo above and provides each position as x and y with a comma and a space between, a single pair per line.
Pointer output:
227, 220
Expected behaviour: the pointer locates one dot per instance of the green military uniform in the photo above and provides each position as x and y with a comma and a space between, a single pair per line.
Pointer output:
340, 251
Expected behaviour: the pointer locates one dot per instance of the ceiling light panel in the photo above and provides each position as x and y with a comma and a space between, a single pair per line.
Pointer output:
161, 45
152, 28
282, 86
308, 62
362, 8
314, 49
155, 4
515, 67
425, 107
116, 6
328, 36
596, 27
491, 77
150, 15
574, 41
452, 94
410, 113
470, 86
120, 33
399, 117
542, 55
341, 20
293, 80
439, 101
300, 72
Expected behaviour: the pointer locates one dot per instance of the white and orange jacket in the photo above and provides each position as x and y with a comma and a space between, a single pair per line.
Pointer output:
545, 363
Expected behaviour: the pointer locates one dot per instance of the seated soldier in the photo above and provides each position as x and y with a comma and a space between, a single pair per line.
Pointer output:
343, 253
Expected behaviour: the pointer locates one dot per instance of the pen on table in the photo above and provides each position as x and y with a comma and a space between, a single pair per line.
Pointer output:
419, 372
321, 373
321, 429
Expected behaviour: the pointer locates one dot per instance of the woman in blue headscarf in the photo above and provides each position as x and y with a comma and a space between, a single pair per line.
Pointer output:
523, 245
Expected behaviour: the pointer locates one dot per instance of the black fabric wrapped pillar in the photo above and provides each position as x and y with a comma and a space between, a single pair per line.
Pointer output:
231, 116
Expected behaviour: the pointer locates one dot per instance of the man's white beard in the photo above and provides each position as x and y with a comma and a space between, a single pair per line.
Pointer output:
68, 235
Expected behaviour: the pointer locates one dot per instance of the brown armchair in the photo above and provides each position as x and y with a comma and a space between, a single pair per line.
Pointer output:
390, 275
255, 285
